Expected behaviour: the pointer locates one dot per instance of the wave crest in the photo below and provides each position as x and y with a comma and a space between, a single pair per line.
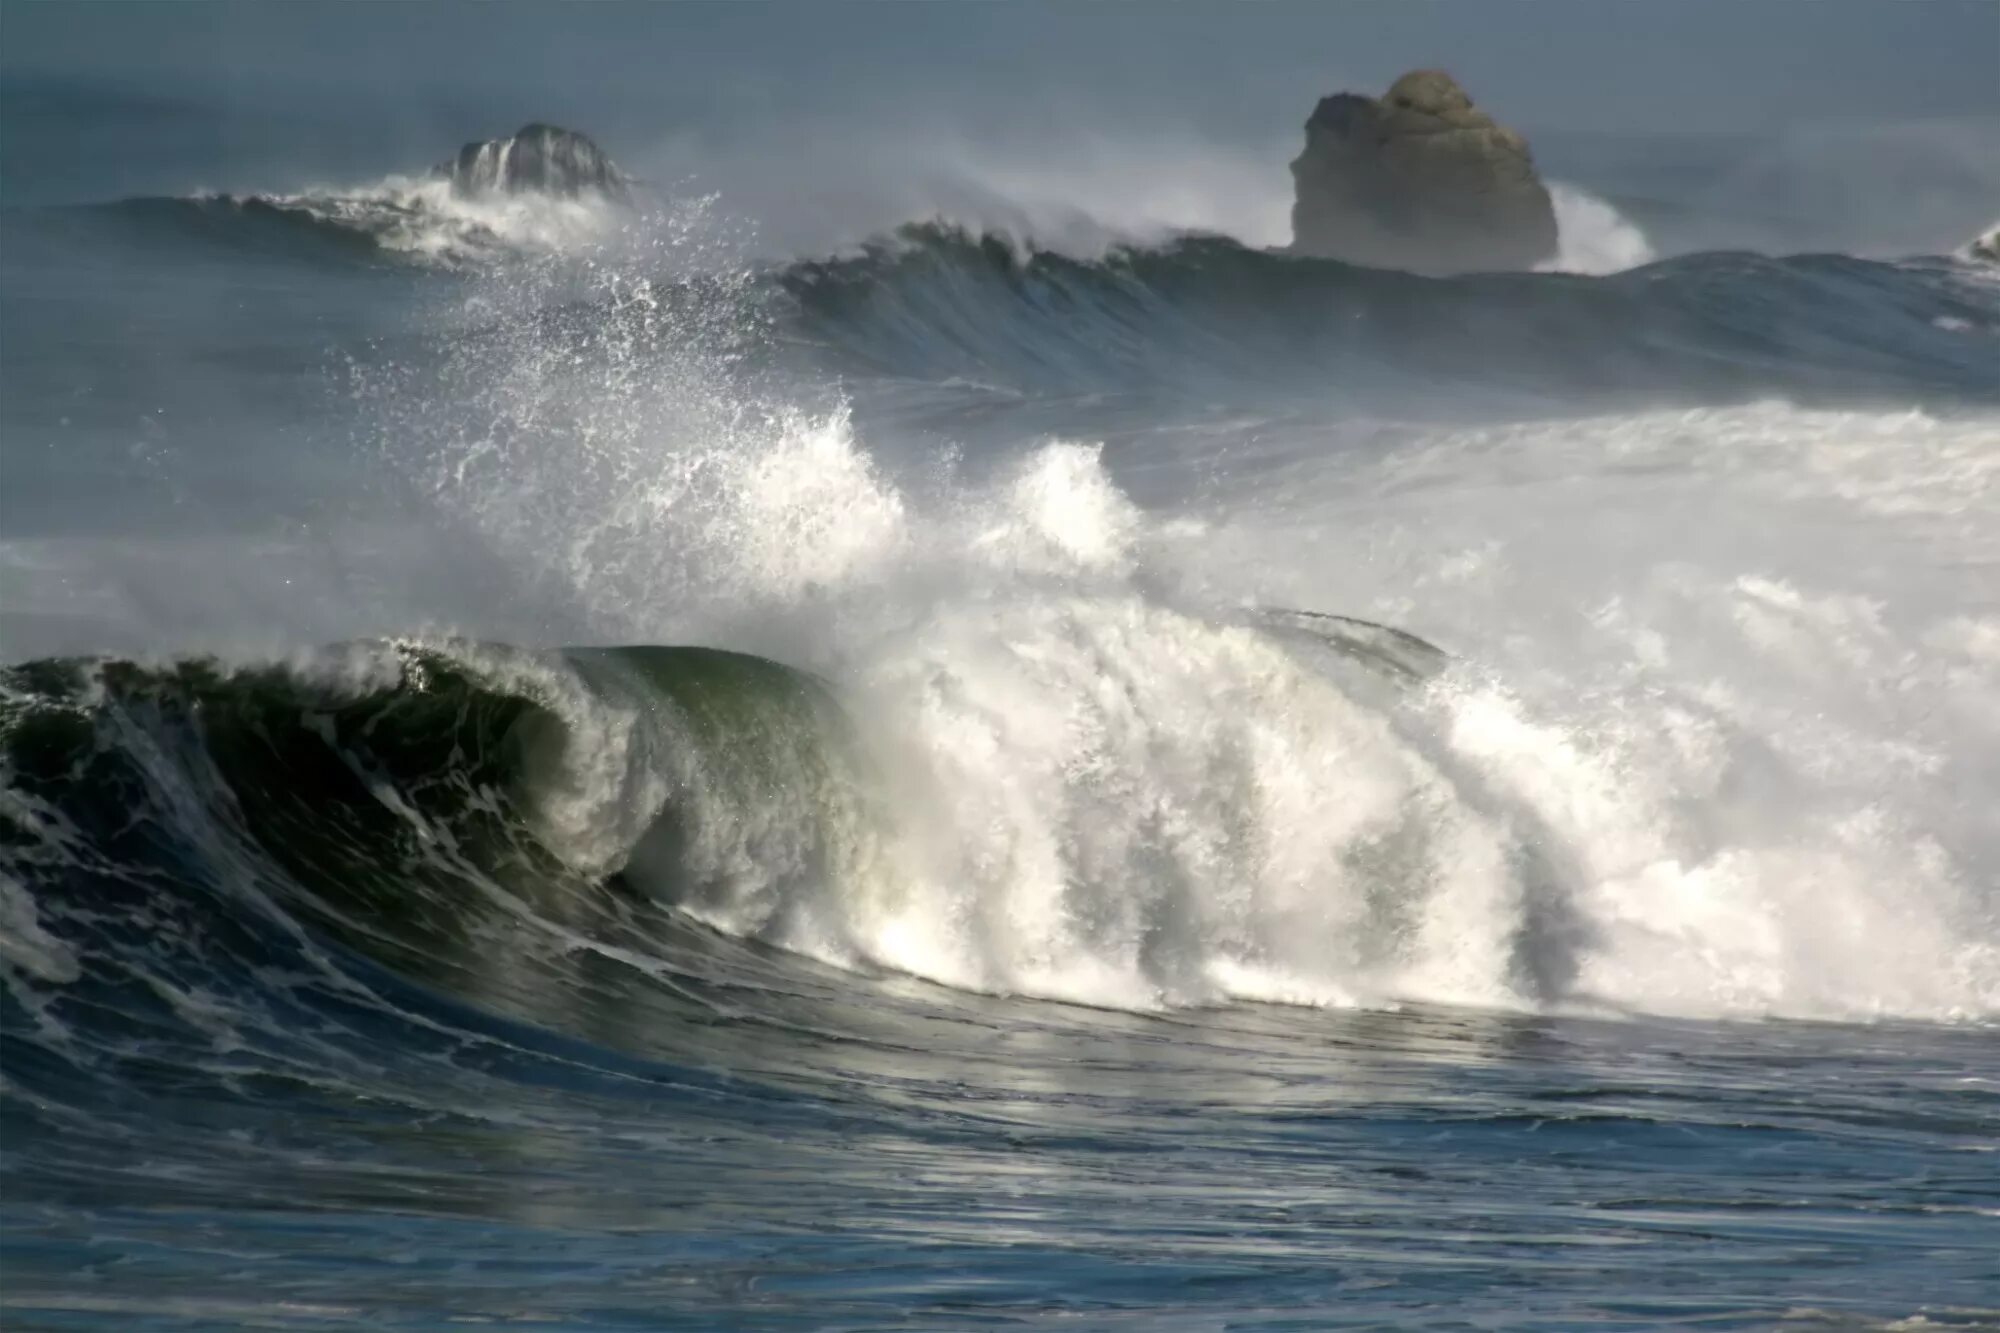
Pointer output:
1593, 236
430, 219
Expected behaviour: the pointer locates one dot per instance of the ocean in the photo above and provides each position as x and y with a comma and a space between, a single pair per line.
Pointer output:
572, 766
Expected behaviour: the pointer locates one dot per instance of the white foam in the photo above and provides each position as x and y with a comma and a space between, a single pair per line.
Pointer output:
1726, 677
1592, 236
1983, 249
424, 218
25, 945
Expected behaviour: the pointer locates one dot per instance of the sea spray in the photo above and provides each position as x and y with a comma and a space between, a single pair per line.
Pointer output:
1103, 783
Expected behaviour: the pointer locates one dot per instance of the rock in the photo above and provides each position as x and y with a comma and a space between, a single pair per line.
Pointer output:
537, 159
1421, 180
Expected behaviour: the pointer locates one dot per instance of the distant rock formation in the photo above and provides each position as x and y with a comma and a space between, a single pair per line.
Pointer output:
538, 159
1420, 180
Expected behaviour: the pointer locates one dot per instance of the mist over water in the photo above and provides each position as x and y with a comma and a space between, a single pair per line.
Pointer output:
921, 727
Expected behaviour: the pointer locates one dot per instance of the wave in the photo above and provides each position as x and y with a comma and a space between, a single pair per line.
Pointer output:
1983, 248
429, 219
540, 191
420, 220
1058, 779
396, 795
1665, 776
1204, 315
1593, 236
537, 159
1209, 316
1037, 739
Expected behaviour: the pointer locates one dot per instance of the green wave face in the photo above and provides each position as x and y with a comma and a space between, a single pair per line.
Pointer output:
452, 813
768, 791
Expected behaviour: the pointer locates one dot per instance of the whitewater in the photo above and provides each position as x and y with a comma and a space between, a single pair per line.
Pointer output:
1043, 760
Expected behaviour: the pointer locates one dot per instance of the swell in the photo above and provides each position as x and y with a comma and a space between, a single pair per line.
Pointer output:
1204, 313
1205, 316
414, 222
251, 225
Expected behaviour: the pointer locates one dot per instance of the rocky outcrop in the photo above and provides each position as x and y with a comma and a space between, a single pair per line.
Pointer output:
537, 159
1421, 180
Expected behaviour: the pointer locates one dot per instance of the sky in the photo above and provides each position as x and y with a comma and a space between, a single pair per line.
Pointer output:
1703, 66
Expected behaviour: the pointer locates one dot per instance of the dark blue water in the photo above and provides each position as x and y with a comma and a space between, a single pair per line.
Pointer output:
1006, 908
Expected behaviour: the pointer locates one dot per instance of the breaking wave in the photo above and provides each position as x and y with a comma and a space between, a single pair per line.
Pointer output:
1037, 742
425, 218
1210, 318
1000, 723
1593, 236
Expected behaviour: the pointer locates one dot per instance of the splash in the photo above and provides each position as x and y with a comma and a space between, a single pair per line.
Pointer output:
1708, 778
1592, 236
1983, 248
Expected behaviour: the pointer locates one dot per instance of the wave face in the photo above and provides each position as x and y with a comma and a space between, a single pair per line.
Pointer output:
1214, 317
1092, 798
424, 807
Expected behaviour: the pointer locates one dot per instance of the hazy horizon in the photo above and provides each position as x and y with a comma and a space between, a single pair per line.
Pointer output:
1709, 66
